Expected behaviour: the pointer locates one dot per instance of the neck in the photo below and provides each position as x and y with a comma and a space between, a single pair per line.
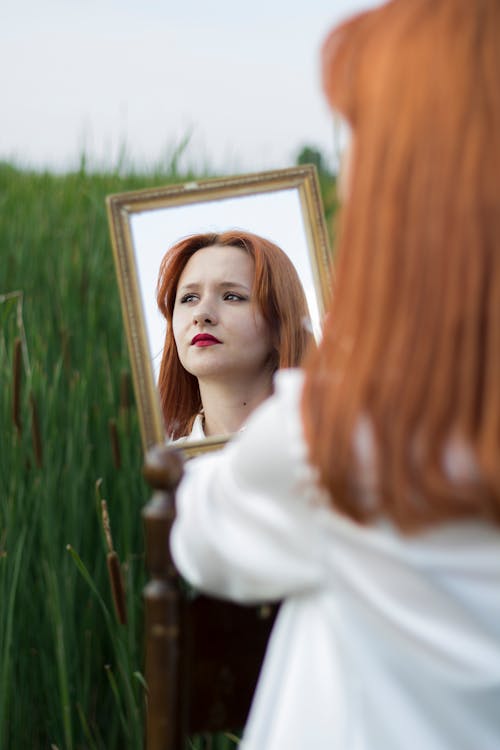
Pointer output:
227, 405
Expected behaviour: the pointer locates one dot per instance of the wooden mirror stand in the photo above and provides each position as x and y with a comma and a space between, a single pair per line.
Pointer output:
203, 655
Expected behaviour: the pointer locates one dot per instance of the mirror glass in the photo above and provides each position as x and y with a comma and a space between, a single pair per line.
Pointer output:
283, 206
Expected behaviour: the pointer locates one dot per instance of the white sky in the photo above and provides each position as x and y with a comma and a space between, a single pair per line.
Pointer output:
112, 77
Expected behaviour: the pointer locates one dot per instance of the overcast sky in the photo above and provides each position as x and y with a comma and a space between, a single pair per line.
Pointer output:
110, 77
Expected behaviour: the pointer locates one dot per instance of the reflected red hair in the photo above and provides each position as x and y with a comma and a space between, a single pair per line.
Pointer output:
277, 293
410, 358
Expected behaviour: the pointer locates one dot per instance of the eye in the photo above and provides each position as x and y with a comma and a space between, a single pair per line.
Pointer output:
190, 297
234, 297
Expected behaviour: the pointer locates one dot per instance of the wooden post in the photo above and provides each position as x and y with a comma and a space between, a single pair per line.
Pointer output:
163, 470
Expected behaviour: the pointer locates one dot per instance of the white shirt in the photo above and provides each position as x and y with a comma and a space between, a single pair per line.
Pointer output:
383, 642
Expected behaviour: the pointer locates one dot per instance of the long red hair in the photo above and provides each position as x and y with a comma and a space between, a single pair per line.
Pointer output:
401, 404
278, 294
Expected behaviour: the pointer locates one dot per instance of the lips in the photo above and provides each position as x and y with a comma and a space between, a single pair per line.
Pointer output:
204, 339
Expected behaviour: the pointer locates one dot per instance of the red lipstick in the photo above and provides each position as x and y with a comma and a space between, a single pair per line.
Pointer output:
204, 339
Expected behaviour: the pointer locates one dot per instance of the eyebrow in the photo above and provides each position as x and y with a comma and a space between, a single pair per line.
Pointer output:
222, 285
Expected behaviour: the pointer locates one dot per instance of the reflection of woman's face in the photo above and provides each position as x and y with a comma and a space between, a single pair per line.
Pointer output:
218, 331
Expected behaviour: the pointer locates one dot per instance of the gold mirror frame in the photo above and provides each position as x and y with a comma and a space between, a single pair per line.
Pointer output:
124, 208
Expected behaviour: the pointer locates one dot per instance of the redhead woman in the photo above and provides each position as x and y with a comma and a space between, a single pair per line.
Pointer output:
365, 493
235, 312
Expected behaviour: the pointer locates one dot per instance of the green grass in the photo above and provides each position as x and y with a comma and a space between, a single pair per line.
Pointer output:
70, 674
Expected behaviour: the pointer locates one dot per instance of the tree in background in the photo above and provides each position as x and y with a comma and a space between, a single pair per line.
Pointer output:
327, 180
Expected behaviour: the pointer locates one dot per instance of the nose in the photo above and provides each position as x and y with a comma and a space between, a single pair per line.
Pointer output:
204, 316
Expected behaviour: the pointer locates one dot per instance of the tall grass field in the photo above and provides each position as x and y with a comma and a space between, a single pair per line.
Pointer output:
70, 671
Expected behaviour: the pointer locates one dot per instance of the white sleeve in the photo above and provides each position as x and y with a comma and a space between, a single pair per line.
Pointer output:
246, 526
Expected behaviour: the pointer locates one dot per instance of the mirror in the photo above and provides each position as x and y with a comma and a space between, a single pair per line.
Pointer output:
283, 206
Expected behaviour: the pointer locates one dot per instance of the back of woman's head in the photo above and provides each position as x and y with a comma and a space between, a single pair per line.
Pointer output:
277, 293
402, 400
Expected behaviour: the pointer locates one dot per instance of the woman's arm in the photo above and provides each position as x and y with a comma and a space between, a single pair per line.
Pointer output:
246, 525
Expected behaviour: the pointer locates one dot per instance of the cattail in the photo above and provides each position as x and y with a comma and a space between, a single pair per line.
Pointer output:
16, 380
106, 526
117, 587
35, 432
114, 570
115, 443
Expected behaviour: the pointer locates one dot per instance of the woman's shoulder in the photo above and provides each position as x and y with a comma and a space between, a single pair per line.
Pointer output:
274, 439
280, 413
289, 382
284, 404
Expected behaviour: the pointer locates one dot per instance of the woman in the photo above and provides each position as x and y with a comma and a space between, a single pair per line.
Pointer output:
235, 312
366, 492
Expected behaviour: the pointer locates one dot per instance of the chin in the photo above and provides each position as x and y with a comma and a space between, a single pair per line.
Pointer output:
206, 371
